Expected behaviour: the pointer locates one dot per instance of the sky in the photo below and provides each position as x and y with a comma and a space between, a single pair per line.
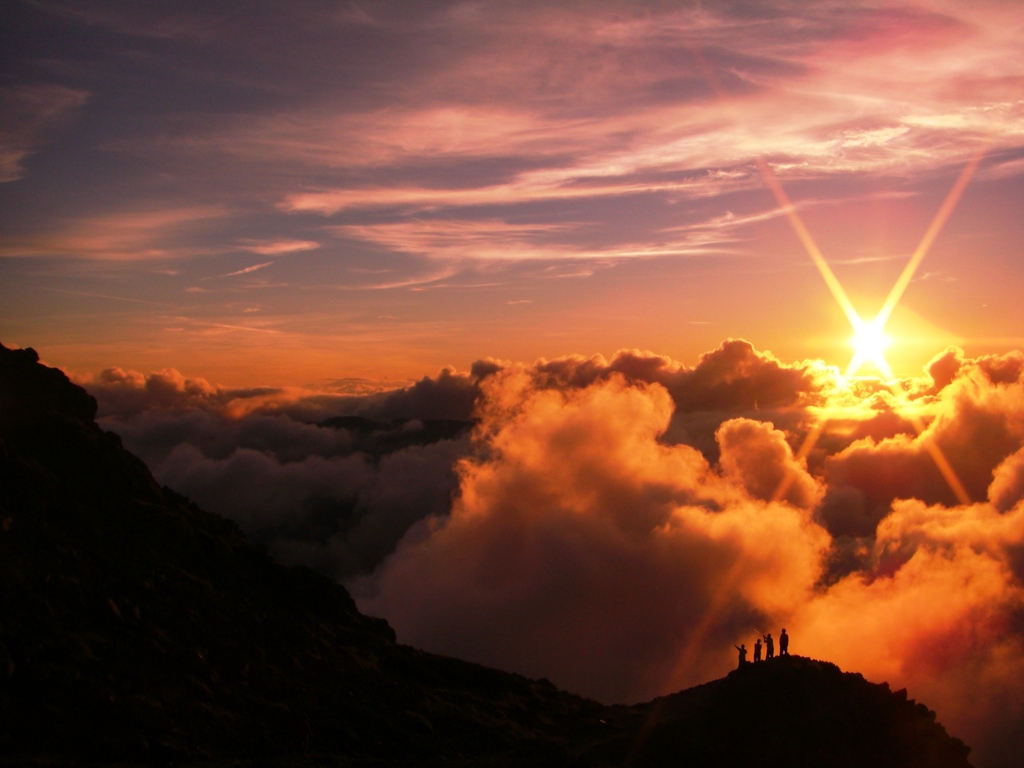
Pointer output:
274, 194
587, 276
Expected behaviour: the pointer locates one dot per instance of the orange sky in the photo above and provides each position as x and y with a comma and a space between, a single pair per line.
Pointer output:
298, 195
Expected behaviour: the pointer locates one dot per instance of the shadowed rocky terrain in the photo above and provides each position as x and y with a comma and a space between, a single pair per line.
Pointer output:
136, 628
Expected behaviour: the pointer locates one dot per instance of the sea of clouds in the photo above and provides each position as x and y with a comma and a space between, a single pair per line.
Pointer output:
617, 525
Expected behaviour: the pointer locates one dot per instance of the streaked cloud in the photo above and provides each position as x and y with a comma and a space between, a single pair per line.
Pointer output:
30, 112
247, 270
129, 235
279, 247
411, 168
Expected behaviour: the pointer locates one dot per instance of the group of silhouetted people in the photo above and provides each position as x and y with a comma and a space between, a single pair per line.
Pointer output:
769, 648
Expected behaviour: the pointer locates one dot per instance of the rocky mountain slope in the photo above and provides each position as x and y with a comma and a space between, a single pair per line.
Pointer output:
136, 628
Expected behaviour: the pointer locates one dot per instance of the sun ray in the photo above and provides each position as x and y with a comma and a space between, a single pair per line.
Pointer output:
944, 467
805, 448
812, 249
937, 223
691, 650
855, 363
870, 341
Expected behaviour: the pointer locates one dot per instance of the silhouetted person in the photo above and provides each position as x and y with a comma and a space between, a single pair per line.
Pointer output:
783, 644
769, 646
757, 650
743, 653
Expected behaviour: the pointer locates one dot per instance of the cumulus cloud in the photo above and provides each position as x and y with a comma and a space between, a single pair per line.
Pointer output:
733, 377
618, 524
733, 380
342, 477
584, 547
125, 395
940, 611
153, 436
943, 368
329, 480
406, 487
257, 490
1007, 486
757, 457
340, 514
584, 550
976, 423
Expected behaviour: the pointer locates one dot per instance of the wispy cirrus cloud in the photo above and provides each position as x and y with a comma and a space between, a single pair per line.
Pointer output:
688, 152
549, 106
870, 91
491, 240
397, 150
130, 235
279, 247
30, 111
247, 270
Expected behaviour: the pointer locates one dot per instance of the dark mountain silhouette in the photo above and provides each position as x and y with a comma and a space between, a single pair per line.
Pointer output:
794, 711
136, 628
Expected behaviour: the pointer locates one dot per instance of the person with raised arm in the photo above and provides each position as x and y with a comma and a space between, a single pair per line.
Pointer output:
743, 653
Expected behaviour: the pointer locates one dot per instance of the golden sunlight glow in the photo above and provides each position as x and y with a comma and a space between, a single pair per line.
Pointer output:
869, 341
869, 345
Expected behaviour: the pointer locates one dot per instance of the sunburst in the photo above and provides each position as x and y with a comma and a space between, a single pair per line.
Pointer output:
870, 340
869, 345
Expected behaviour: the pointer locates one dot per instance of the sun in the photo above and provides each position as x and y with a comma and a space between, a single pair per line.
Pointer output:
869, 345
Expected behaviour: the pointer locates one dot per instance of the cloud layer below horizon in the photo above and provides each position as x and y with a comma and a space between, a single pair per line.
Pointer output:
612, 524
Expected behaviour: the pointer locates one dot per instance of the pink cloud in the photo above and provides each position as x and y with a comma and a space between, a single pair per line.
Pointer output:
279, 247
872, 99
500, 241
132, 235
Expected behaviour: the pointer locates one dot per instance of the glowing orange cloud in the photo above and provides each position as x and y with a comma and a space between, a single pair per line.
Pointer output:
584, 547
591, 542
